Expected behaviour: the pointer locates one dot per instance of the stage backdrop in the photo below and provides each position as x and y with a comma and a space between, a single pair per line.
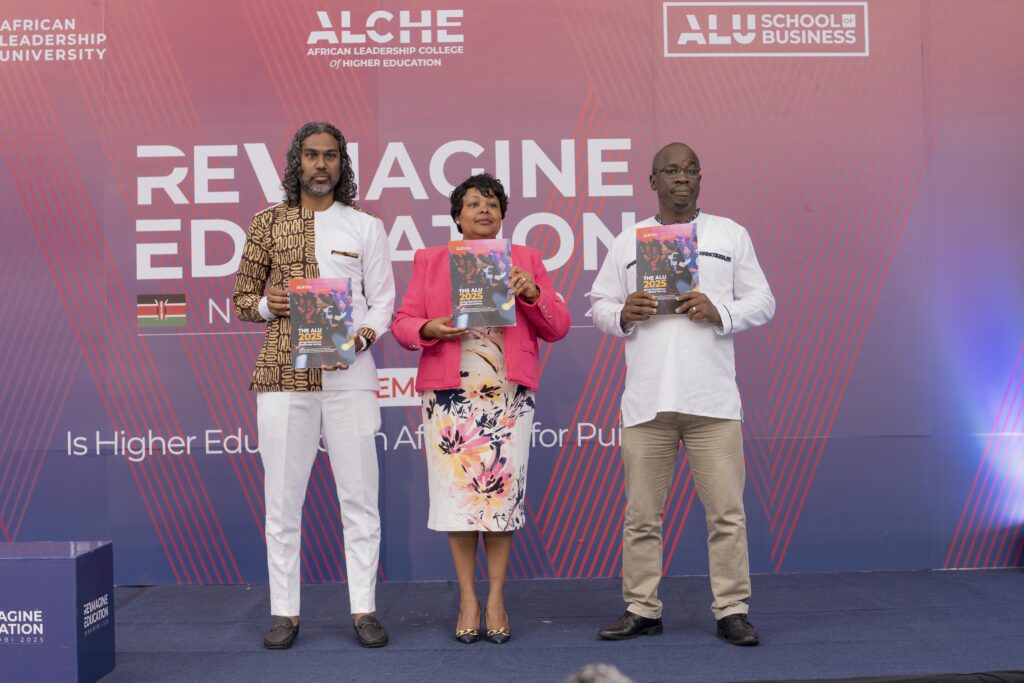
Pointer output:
873, 150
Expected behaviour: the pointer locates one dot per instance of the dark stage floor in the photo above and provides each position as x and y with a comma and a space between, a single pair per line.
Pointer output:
813, 626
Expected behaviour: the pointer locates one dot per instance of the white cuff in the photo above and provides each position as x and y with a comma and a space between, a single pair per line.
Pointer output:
622, 331
726, 316
265, 311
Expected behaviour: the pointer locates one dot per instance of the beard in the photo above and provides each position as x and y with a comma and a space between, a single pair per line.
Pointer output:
318, 189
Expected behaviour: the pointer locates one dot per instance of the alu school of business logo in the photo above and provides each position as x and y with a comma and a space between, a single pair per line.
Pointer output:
771, 29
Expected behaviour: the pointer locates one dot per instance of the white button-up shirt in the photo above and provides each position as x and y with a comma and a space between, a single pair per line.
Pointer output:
674, 364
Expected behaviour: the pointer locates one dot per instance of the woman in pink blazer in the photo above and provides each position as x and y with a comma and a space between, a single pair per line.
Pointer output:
478, 389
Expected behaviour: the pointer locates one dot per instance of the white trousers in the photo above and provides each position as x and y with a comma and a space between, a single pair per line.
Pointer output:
290, 425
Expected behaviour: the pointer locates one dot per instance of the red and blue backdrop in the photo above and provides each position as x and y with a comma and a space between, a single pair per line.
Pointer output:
873, 149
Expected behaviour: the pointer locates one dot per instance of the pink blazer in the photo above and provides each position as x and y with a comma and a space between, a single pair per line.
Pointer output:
430, 296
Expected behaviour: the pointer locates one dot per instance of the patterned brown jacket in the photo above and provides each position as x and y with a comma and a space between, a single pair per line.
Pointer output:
280, 246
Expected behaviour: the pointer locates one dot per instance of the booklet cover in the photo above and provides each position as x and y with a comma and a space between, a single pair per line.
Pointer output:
666, 262
481, 272
321, 320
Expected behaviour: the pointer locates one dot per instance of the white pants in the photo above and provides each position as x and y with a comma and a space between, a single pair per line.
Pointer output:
290, 425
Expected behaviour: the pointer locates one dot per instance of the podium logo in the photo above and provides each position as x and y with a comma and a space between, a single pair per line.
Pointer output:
95, 614
777, 29
21, 626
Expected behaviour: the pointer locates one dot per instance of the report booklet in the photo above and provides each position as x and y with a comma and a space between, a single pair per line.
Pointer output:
666, 263
481, 273
321, 321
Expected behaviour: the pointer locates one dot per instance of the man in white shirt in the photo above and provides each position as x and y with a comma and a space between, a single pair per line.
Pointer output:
681, 387
317, 232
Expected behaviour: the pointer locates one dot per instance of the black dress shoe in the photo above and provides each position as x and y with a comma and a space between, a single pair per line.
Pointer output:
370, 631
281, 634
737, 630
631, 625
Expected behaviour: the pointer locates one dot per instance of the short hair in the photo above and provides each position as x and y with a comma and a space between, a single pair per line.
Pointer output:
485, 184
344, 191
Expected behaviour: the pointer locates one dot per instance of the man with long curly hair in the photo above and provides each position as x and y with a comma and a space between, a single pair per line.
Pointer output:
317, 232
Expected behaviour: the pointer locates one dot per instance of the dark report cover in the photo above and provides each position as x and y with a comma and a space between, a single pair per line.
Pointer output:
321, 321
481, 273
666, 263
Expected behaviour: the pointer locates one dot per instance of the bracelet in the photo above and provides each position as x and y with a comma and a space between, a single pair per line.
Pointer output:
368, 336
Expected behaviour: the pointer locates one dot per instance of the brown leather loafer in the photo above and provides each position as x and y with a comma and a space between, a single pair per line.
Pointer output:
281, 635
737, 630
370, 631
630, 625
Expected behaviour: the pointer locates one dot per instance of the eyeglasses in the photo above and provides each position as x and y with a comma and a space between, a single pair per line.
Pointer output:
674, 171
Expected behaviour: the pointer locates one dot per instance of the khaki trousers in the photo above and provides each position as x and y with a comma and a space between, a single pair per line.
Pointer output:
715, 451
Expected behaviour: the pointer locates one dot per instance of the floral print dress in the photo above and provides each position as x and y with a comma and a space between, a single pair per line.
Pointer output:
478, 442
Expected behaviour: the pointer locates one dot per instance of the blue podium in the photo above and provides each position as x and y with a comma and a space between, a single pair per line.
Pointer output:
56, 610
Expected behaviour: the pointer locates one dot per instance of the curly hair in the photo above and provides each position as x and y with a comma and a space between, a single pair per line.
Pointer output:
344, 191
485, 184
